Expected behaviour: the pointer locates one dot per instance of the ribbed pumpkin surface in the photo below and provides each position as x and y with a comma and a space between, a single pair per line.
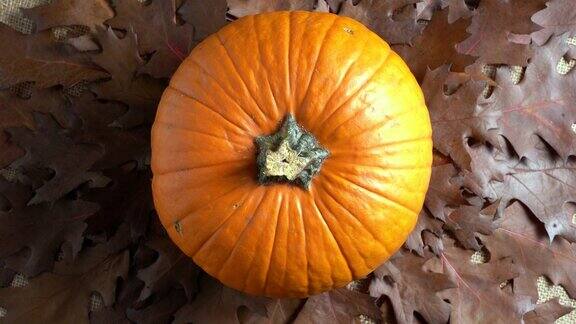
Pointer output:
344, 85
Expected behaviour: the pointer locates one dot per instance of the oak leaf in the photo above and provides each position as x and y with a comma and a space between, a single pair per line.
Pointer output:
57, 13
557, 18
207, 17
241, 8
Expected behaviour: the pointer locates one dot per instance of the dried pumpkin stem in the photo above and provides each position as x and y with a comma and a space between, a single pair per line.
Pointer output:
290, 155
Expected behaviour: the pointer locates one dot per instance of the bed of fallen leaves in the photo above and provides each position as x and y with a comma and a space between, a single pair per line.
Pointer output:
78, 97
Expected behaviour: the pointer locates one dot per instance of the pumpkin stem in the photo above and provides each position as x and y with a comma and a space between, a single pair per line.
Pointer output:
290, 155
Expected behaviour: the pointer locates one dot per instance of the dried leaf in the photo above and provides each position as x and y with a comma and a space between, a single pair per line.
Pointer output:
444, 191
557, 18
207, 17
39, 229
338, 306
544, 185
541, 106
40, 59
520, 232
493, 22
121, 59
457, 9
478, 297
455, 117
161, 310
546, 313
172, 268
426, 222
412, 289
50, 147
394, 20
466, 221
158, 33
216, 303
62, 296
91, 13
436, 46
241, 8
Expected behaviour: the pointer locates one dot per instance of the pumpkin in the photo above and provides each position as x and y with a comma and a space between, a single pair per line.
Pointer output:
291, 153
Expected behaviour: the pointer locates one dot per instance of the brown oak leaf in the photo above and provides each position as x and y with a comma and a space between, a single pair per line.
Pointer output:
38, 58
158, 32
207, 17
456, 117
89, 13
426, 223
241, 8
459, 9
541, 106
545, 185
338, 306
161, 310
50, 147
522, 238
492, 26
281, 311
216, 303
436, 46
557, 18
467, 221
545, 313
444, 191
478, 296
121, 59
171, 268
394, 20
412, 289
63, 295
39, 229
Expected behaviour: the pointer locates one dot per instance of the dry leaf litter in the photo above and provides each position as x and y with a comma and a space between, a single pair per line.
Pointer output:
75, 152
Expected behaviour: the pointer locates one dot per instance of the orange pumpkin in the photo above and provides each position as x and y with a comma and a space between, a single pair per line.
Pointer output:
291, 153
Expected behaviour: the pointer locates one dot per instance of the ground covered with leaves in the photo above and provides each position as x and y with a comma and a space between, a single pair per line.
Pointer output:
79, 238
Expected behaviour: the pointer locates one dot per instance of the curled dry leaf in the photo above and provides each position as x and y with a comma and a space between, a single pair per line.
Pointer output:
466, 221
491, 26
158, 32
91, 13
545, 313
436, 46
520, 232
444, 191
49, 146
459, 9
38, 58
412, 289
393, 20
426, 223
38, 230
161, 310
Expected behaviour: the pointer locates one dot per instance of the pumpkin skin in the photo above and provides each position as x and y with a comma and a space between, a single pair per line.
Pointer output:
344, 85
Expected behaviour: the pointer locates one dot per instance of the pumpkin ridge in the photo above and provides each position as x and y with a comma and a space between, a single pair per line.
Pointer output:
187, 213
402, 141
341, 81
387, 167
200, 167
294, 87
227, 51
232, 99
213, 110
267, 274
337, 225
379, 194
360, 88
327, 230
337, 202
219, 227
315, 66
260, 59
305, 242
178, 127
243, 232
